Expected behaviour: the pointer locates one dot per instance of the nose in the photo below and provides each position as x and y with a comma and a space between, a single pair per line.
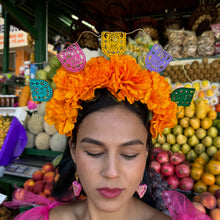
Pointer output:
111, 167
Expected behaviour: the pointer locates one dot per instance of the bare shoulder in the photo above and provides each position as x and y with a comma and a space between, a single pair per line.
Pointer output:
70, 211
150, 213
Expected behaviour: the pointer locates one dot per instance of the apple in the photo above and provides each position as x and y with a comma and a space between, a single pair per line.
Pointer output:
42, 194
48, 188
37, 175
29, 184
19, 194
49, 177
47, 167
39, 186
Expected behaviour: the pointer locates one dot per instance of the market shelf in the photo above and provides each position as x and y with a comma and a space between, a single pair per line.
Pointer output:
44, 153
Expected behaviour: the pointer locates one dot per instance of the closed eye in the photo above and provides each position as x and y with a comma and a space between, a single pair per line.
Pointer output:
129, 157
93, 154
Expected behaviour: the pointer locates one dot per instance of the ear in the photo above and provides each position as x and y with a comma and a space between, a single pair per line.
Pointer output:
72, 149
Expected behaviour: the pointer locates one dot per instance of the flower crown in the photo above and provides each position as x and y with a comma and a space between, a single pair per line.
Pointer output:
124, 79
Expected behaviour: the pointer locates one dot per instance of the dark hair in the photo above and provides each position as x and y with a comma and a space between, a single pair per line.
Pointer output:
103, 100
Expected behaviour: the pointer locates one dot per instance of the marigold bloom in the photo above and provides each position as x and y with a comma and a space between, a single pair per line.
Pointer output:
124, 79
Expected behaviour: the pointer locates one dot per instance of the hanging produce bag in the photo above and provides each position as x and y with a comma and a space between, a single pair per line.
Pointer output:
14, 142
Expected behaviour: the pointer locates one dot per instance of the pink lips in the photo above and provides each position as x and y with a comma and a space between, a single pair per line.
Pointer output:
110, 193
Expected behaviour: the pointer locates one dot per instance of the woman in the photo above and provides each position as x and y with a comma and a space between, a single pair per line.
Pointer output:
109, 149
105, 110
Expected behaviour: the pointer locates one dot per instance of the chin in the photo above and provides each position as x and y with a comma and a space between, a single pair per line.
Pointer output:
109, 205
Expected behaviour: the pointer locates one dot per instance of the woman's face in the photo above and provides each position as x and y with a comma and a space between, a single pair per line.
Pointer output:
110, 156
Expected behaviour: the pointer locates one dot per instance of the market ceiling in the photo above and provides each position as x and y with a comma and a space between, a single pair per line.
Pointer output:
103, 14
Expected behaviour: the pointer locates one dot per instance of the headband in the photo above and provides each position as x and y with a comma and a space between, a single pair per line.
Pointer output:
124, 78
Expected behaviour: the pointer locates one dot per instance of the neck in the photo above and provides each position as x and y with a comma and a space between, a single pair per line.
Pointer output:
126, 212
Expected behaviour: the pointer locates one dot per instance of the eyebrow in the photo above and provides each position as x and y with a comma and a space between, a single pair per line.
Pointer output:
99, 143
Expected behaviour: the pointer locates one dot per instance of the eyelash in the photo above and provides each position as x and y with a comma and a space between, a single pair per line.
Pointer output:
128, 157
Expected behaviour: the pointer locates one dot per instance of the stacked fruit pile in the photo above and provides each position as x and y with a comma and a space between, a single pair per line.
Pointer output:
196, 70
196, 133
40, 183
49, 71
5, 122
42, 135
206, 175
208, 203
173, 168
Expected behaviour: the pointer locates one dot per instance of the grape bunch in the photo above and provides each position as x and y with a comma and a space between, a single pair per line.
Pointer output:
156, 186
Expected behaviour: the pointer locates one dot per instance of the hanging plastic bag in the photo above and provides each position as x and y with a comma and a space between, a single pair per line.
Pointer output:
14, 143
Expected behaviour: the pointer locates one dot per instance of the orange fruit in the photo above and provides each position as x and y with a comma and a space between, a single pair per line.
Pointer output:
212, 114
206, 123
196, 173
217, 156
213, 188
201, 94
200, 160
197, 165
199, 187
213, 167
208, 179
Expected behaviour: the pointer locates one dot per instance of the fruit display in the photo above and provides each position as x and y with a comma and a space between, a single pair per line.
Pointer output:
139, 47
197, 70
196, 133
173, 168
40, 183
206, 174
49, 71
208, 203
210, 91
42, 135
5, 122
6, 213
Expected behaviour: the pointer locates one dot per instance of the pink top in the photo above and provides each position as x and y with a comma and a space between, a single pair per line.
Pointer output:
39, 212
179, 206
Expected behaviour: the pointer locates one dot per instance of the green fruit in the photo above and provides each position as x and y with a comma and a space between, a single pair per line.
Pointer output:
200, 133
166, 131
199, 148
188, 132
181, 139
185, 148
184, 122
212, 132
54, 62
165, 146
157, 145
211, 151
216, 123
161, 139
191, 156
177, 129
171, 139
216, 142
154, 140
175, 148
207, 141
41, 74
52, 73
205, 156
193, 141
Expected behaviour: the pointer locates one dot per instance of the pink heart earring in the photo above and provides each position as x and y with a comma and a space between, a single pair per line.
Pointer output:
141, 190
77, 188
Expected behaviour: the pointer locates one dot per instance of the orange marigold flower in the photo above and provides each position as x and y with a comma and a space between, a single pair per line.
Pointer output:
124, 78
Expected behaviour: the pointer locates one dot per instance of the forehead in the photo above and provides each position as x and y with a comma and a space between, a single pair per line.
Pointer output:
117, 122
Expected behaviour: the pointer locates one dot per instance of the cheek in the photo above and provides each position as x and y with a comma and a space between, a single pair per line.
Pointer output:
138, 170
86, 168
